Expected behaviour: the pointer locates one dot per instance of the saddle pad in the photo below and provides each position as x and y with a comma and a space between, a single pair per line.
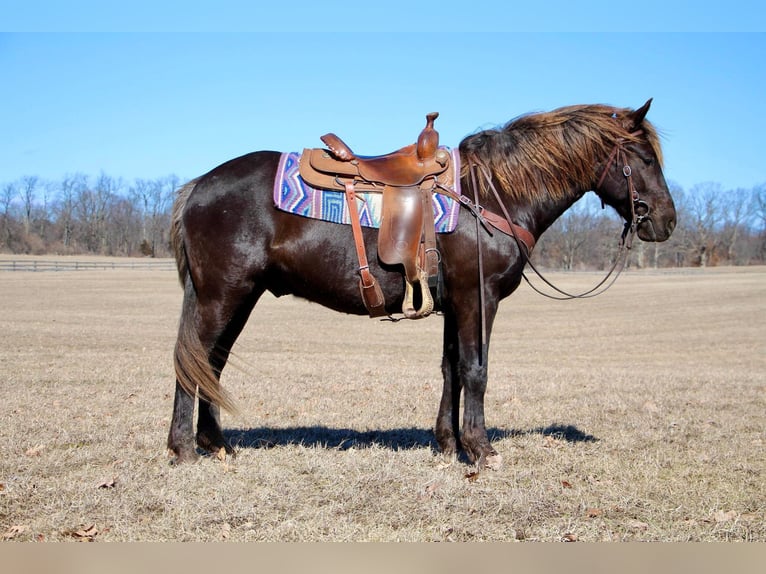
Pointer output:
293, 195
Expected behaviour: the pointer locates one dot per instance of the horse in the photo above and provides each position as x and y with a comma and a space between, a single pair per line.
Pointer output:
232, 245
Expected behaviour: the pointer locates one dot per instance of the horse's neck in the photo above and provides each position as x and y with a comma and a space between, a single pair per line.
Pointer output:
537, 212
538, 216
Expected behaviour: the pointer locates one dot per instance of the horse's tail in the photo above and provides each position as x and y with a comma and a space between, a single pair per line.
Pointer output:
177, 229
191, 358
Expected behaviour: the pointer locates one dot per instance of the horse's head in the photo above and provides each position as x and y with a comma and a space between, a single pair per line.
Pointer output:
631, 178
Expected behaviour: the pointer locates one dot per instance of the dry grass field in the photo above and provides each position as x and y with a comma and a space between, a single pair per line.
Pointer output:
637, 415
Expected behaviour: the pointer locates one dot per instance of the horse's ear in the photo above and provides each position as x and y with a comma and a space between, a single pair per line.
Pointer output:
634, 119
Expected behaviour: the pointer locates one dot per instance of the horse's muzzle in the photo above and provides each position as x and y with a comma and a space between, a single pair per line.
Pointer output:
651, 228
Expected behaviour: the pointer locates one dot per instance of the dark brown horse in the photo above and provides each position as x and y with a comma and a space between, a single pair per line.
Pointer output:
232, 245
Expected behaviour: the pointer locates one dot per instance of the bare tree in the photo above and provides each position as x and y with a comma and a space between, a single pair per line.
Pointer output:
572, 237
9, 193
92, 208
69, 190
704, 213
43, 215
124, 229
27, 191
735, 224
153, 198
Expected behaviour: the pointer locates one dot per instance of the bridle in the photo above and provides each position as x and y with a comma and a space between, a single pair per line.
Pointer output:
618, 154
639, 212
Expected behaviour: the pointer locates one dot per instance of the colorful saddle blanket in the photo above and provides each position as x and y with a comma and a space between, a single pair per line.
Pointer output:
293, 195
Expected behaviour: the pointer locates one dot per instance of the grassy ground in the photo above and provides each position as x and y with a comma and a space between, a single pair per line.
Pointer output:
638, 415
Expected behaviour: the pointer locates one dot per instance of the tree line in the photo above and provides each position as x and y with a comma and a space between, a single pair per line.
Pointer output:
109, 216
84, 215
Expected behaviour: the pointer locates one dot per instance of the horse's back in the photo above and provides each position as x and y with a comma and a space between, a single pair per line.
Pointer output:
248, 176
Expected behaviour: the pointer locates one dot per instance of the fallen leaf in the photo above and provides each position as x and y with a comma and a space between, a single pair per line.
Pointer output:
472, 476
566, 484
569, 537
14, 531
594, 512
35, 450
85, 534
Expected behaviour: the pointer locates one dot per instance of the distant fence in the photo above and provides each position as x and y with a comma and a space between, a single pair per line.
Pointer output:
64, 265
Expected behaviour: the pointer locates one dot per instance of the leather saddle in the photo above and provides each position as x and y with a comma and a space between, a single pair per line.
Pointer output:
407, 178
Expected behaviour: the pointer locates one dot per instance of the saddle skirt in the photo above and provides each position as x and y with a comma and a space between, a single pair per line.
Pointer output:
293, 195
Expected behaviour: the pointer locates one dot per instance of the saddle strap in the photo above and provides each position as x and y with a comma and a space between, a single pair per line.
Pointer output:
371, 293
429, 235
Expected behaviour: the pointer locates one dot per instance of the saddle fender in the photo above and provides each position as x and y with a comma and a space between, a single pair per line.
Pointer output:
401, 229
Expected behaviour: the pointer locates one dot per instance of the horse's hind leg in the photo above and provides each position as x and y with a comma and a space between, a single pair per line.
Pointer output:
209, 433
232, 313
181, 435
206, 334
191, 362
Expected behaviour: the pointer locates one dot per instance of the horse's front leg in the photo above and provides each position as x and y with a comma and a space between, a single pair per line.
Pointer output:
473, 351
447, 429
474, 438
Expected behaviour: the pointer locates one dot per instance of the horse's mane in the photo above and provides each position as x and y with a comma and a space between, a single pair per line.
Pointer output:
543, 155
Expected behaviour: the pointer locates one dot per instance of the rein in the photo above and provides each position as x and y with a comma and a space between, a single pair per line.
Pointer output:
626, 239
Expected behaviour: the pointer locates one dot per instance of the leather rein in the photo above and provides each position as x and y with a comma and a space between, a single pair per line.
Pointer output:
525, 247
626, 239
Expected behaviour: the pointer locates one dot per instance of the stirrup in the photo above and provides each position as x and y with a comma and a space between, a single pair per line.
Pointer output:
427, 300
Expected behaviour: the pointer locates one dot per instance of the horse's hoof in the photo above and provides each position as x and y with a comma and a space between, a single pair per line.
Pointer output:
182, 457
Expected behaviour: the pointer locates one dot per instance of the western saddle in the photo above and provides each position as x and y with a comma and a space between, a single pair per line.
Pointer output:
407, 178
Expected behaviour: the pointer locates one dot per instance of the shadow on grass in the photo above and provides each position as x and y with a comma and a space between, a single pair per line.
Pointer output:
395, 439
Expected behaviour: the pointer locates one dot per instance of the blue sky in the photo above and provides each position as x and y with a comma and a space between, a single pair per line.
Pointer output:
99, 93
